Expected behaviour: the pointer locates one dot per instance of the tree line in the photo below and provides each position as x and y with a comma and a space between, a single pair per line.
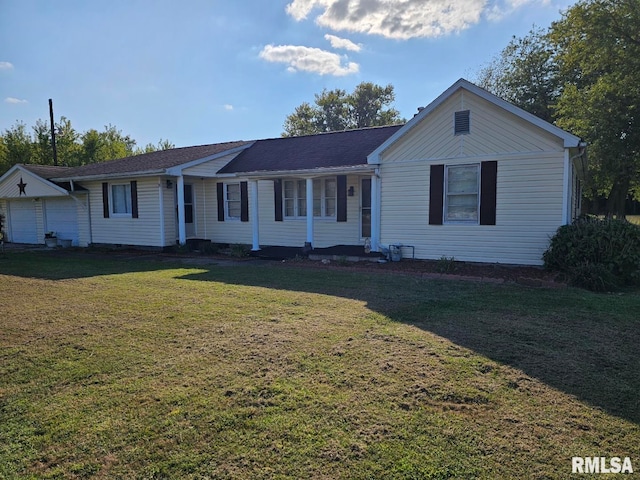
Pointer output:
582, 74
18, 144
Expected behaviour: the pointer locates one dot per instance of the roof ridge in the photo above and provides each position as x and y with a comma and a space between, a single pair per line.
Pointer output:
347, 130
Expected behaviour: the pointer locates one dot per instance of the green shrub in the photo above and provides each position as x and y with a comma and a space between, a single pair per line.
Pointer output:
596, 254
239, 250
446, 264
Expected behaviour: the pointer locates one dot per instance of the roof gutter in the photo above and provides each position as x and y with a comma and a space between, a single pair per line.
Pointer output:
310, 172
110, 175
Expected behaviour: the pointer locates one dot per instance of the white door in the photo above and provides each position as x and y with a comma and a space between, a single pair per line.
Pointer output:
61, 217
22, 221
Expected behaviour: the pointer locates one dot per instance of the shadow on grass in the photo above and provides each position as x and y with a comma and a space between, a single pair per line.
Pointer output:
580, 343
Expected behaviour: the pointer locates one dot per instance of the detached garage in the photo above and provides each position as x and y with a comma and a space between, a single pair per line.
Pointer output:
33, 205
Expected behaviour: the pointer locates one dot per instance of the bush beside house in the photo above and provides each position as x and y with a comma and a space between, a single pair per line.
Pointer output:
597, 254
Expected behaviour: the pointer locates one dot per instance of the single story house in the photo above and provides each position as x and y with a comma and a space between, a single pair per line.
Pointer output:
470, 176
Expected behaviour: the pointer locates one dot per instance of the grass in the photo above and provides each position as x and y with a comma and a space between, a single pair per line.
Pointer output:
123, 369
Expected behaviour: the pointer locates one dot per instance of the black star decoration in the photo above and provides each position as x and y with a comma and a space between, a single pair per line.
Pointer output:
22, 186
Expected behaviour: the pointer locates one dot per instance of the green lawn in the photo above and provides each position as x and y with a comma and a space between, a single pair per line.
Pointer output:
144, 369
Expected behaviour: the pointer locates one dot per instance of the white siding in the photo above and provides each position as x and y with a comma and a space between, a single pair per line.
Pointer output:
142, 231
289, 232
493, 131
528, 211
170, 213
35, 186
84, 221
209, 169
529, 185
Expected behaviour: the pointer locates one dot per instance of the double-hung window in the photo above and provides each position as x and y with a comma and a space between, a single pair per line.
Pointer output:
233, 203
295, 198
324, 197
121, 199
462, 198
325, 193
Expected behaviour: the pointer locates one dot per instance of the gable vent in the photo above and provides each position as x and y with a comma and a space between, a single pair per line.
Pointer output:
461, 122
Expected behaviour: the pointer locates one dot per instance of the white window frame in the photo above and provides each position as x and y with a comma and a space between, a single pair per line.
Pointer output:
227, 215
112, 203
445, 215
299, 198
324, 198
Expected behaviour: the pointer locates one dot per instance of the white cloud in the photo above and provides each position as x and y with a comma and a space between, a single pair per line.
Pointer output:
337, 42
6, 66
14, 101
402, 19
308, 59
503, 8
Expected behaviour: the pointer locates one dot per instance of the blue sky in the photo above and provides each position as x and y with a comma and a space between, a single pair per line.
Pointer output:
208, 71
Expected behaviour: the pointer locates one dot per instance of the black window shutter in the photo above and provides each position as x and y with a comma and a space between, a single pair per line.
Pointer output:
488, 181
341, 185
277, 199
436, 192
244, 202
134, 199
105, 200
220, 195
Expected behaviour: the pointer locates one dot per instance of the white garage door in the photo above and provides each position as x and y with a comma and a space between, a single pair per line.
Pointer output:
61, 217
23, 221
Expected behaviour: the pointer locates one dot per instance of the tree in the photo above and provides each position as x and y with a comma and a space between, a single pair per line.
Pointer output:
526, 74
17, 145
581, 74
150, 147
337, 110
599, 58
73, 148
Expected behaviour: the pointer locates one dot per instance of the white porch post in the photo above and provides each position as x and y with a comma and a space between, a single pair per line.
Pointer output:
375, 213
310, 211
253, 213
182, 229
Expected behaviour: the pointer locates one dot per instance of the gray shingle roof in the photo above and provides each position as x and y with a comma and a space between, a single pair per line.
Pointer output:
149, 162
335, 149
47, 171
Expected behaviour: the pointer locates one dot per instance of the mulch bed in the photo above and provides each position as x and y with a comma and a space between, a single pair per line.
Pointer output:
481, 272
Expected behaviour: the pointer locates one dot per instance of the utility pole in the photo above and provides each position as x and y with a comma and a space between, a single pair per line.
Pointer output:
53, 134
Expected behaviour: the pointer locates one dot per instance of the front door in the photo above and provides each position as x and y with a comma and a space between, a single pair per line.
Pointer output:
189, 214
365, 208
